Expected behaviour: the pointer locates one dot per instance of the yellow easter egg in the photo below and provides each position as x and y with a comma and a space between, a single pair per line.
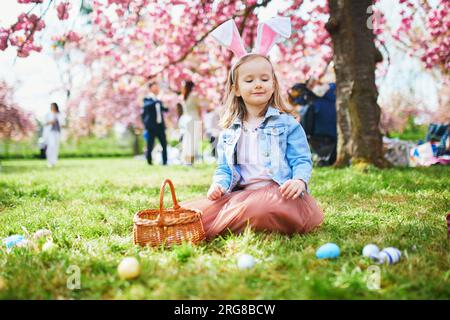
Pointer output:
129, 268
2, 284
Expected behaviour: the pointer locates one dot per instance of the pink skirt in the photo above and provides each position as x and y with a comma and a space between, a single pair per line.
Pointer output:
263, 209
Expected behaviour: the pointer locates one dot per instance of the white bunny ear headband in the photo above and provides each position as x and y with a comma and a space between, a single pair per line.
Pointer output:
268, 34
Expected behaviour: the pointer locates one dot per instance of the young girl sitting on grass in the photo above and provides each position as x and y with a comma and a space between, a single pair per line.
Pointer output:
264, 161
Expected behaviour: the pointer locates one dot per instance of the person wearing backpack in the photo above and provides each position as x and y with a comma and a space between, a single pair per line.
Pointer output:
318, 119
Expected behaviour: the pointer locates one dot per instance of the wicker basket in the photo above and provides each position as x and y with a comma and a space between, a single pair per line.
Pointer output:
168, 226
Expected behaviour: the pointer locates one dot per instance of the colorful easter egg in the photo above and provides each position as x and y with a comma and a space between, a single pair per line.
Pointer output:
42, 233
12, 241
28, 244
388, 255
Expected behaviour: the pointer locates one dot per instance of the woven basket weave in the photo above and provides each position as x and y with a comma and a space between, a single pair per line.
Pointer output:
167, 227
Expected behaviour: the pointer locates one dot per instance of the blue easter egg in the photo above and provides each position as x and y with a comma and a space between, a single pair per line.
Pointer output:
328, 251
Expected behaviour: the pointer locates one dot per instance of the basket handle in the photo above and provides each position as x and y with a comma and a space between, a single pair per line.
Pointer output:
161, 199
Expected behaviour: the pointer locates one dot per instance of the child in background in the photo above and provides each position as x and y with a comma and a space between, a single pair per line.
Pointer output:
264, 161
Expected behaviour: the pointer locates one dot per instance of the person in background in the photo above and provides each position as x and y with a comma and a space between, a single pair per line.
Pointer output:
212, 129
179, 111
192, 114
317, 115
153, 118
52, 134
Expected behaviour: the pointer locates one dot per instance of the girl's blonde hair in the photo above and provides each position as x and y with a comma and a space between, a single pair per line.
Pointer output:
234, 106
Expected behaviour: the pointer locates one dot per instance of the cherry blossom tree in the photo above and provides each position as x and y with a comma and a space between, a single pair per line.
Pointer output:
175, 51
15, 123
127, 42
424, 31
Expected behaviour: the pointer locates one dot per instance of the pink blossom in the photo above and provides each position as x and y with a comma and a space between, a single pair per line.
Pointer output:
15, 123
4, 35
73, 36
63, 10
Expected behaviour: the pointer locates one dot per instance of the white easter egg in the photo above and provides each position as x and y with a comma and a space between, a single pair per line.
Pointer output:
129, 268
370, 250
49, 246
245, 261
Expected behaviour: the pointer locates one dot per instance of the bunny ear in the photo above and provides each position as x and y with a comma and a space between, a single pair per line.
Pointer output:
270, 32
227, 34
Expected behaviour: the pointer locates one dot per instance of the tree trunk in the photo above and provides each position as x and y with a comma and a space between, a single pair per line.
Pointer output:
355, 55
136, 147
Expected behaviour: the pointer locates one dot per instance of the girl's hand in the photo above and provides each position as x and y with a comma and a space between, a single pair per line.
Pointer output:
292, 189
215, 192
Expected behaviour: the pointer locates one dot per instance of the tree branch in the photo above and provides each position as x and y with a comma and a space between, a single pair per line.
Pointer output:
191, 49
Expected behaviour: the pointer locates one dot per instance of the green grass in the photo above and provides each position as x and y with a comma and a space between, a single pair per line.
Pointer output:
84, 147
89, 205
108, 146
413, 132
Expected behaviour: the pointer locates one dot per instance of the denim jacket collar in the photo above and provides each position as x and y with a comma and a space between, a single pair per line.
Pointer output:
271, 111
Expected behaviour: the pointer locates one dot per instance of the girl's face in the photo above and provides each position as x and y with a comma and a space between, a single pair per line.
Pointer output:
255, 82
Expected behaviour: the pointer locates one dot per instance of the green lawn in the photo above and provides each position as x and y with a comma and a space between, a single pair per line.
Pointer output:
89, 147
89, 204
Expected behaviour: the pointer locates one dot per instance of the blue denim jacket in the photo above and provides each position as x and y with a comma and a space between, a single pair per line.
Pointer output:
284, 147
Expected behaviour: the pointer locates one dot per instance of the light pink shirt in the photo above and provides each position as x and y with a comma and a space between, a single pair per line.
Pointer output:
253, 173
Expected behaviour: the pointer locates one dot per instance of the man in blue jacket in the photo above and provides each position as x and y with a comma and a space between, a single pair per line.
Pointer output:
153, 119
